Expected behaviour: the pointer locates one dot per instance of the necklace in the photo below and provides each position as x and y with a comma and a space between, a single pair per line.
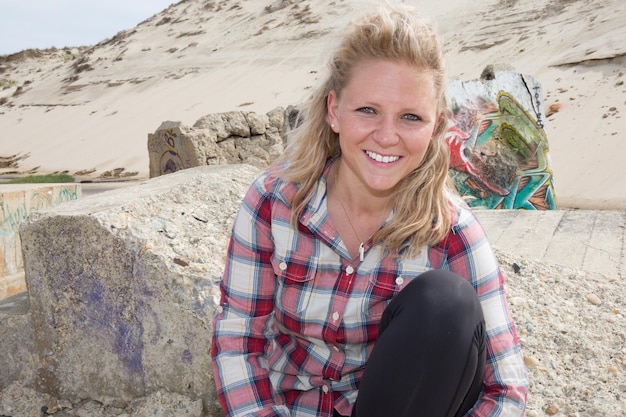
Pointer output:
361, 247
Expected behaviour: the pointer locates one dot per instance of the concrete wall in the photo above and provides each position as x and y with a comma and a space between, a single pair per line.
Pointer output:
17, 201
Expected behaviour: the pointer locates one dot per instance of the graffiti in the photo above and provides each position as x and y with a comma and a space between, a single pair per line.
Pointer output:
65, 195
14, 214
499, 155
11, 218
39, 200
538, 104
170, 160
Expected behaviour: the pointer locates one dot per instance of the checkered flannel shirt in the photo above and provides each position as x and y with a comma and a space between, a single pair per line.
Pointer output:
298, 316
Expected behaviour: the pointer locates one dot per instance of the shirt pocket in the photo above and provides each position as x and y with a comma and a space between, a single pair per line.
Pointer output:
386, 284
381, 288
295, 277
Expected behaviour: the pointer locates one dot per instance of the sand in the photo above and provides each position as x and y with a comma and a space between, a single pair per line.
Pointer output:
88, 110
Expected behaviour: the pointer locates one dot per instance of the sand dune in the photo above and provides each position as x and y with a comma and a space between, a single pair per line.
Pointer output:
89, 110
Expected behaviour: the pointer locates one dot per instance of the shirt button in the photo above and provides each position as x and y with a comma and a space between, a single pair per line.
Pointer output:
349, 270
399, 281
335, 316
336, 348
325, 389
283, 266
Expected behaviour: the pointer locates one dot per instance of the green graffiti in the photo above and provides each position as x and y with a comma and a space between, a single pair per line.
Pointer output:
499, 156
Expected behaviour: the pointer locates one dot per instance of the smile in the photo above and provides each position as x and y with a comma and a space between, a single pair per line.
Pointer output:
380, 158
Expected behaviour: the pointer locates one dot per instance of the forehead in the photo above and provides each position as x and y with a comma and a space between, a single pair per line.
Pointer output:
384, 78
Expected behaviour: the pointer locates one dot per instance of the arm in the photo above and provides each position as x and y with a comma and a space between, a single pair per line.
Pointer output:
505, 384
239, 328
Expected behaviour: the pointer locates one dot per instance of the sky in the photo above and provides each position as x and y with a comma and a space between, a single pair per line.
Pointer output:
43, 24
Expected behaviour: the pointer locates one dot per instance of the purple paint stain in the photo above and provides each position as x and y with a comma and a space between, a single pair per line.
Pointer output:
129, 347
105, 316
187, 356
95, 293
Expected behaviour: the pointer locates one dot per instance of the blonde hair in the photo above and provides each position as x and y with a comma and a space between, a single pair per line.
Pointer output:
393, 33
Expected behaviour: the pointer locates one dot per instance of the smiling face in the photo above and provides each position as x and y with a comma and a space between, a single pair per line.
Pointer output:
385, 117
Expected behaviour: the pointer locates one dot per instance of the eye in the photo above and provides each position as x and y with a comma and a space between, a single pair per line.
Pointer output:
368, 110
412, 117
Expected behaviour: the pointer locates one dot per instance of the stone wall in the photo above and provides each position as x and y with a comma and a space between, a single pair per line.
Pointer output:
218, 139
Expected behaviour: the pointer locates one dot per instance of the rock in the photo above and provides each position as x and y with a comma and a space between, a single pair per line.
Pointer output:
530, 361
217, 139
18, 360
497, 139
552, 409
175, 146
117, 311
594, 299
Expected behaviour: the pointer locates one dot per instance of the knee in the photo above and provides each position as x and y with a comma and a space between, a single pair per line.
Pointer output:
442, 293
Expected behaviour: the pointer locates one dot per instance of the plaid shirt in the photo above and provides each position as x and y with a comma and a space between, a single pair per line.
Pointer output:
298, 316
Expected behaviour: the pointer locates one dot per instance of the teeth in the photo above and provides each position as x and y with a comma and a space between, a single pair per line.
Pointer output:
379, 158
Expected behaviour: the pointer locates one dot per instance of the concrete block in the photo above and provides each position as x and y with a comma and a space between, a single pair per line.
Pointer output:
18, 361
123, 286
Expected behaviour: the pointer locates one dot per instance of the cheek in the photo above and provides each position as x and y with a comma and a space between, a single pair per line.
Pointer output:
418, 145
354, 131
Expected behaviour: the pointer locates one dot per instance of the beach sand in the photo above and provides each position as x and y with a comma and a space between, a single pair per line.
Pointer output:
88, 111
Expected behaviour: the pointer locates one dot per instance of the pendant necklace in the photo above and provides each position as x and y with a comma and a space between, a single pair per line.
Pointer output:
361, 247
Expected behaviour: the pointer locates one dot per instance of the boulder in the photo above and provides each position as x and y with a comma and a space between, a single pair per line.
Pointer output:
123, 287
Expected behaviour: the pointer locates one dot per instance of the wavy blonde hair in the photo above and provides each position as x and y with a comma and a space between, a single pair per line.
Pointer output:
422, 212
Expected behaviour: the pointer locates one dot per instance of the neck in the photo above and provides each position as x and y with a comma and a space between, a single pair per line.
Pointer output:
358, 200
356, 217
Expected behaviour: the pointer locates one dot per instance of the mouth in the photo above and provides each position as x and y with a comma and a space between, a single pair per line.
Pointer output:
385, 159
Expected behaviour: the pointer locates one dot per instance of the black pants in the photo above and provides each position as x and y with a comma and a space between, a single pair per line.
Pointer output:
429, 358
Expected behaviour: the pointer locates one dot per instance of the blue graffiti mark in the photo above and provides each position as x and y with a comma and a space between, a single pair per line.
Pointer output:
13, 216
95, 293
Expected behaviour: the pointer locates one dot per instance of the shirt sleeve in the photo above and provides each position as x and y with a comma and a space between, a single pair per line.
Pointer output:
505, 385
239, 327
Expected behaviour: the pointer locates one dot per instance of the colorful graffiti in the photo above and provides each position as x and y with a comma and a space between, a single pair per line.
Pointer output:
499, 155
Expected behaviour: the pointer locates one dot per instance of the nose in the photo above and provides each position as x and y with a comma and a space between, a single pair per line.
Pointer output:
386, 133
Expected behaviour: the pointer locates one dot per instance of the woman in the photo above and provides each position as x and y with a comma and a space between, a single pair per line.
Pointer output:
356, 282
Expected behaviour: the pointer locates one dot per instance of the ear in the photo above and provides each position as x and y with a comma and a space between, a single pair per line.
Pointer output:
332, 102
